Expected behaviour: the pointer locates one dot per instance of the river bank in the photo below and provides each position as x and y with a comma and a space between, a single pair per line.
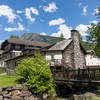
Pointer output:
21, 92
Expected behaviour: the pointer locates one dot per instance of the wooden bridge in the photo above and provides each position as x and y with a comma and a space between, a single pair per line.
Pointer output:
72, 76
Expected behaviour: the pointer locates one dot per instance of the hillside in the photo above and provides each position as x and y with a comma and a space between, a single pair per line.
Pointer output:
88, 46
49, 39
40, 38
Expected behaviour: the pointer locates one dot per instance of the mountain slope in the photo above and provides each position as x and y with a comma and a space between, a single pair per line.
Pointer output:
49, 39
40, 38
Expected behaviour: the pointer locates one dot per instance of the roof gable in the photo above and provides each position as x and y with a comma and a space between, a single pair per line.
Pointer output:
26, 42
61, 45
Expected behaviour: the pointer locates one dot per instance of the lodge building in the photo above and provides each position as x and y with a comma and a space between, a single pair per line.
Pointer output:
68, 53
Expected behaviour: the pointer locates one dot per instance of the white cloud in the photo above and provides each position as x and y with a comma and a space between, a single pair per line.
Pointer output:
82, 29
63, 29
56, 22
80, 4
34, 11
19, 28
51, 8
28, 15
94, 22
28, 12
19, 11
85, 10
43, 33
7, 12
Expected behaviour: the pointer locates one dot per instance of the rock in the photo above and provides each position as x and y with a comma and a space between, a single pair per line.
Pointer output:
85, 96
0, 90
88, 94
8, 89
30, 98
45, 96
25, 87
36, 99
6, 96
16, 98
15, 93
17, 87
25, 94
53, 95
74, 97
1, 97
6, 99
4, 92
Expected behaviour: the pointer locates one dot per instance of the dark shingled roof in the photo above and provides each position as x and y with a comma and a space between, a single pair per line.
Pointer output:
61, 45
26, 42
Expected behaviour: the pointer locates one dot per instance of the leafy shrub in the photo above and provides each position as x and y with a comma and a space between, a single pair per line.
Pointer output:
36, 72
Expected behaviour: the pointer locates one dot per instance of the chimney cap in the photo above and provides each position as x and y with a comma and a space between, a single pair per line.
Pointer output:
73, 31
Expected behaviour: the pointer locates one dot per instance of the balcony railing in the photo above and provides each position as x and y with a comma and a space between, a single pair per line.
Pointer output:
56, 62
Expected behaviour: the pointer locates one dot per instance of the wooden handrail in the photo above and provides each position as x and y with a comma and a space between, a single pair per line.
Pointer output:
78, 74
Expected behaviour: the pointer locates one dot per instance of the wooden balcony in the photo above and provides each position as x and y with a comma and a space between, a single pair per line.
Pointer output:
56, 62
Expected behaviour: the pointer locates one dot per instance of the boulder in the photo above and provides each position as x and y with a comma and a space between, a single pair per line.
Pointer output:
16, 98
45, 95
15, 93
75, 97
1, 97
6, 99
86, 96
0, 90
17, 87
30, 98
25, 94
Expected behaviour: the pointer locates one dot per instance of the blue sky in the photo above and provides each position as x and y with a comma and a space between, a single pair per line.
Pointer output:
46, 17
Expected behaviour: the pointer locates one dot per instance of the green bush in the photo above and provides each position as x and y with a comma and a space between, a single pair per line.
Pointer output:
36, 72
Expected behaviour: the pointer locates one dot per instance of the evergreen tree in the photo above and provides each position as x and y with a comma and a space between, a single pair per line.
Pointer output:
14, 36
62, 37
94, 37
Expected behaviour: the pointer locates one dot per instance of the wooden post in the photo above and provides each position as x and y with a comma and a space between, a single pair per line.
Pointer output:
88, 74
79, 73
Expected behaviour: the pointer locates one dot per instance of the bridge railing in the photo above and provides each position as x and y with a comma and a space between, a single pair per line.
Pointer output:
77, 74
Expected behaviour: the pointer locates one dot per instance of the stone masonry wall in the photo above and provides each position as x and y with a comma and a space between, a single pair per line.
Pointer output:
79, 58
67, 59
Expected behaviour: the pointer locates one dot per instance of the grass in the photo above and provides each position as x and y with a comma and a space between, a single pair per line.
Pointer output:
8, 80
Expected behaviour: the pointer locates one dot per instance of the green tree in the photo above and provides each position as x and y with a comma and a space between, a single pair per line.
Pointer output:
94, 37
36, 73
97, 12
14, 36
62, 37
81, 40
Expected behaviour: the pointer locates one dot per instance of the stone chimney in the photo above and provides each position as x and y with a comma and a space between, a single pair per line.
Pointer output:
78, 54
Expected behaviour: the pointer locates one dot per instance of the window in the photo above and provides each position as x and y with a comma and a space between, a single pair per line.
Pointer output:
67, 59
17, 47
